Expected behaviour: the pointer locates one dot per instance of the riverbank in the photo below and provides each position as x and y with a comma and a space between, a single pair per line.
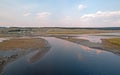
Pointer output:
83, 42
20, 46
112, 45
17, 47
23, 43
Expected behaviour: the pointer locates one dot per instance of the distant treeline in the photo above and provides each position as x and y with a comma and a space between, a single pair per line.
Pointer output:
100, 28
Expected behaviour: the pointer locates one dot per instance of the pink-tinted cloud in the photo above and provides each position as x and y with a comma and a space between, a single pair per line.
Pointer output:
43, 15
101, 19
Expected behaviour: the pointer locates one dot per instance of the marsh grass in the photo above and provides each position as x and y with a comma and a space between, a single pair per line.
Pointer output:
115, 41
112, 43
82, 31
23, 43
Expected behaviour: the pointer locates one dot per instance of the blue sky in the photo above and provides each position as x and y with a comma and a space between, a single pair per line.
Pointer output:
60, 13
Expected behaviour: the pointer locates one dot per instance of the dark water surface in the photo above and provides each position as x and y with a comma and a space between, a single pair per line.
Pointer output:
66, 58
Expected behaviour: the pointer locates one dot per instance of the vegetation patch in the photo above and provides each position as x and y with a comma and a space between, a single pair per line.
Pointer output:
77, 31
23, 43
113, 43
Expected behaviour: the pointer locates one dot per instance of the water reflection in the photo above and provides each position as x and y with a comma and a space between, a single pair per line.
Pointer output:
64, 60
99, 51
80, 56
3, 39
96, 38
88, 49
4, 60
36, 55
7, 57
85, 48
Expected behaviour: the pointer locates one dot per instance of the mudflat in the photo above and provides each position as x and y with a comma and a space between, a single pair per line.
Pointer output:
23, 43
111, 44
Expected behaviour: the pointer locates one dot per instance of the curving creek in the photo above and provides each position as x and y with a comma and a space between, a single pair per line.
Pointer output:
64, 58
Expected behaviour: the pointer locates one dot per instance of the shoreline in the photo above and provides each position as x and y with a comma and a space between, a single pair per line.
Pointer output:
25, 46
89, 44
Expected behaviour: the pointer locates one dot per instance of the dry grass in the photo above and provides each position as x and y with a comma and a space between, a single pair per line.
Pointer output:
26, 43
115, 41
82, 31
112, 43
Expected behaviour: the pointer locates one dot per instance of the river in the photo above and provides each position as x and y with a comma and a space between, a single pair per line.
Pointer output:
66, 58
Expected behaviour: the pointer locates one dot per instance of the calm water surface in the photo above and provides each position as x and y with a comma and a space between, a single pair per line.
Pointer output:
66, 58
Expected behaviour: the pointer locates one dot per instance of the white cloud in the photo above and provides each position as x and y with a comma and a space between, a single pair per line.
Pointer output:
26, 14
43, 15
81, 7
101, 19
